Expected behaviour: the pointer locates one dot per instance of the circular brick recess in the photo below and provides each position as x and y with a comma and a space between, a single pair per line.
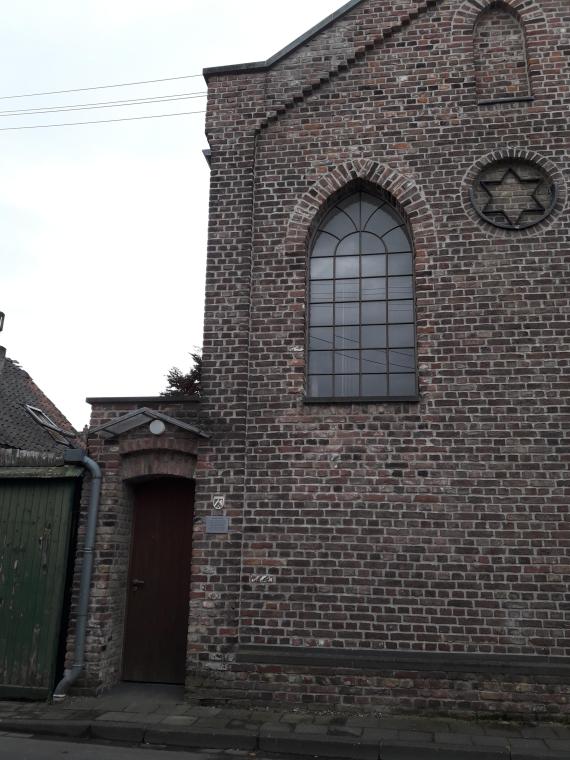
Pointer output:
513, 194
514, 191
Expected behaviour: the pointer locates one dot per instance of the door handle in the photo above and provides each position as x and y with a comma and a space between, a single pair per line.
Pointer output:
136, 584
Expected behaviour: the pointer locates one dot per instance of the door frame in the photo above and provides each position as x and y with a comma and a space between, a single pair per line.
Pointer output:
130, 487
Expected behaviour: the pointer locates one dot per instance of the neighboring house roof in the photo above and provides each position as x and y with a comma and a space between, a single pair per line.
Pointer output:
21, 428
262, 65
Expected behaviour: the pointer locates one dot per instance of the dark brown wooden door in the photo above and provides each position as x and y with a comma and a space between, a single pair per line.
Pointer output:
159, 579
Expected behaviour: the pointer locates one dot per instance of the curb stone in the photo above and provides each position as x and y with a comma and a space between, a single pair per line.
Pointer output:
544, 755
196, 737
119, 732
282, 739
348, 742
440, 752
74, 729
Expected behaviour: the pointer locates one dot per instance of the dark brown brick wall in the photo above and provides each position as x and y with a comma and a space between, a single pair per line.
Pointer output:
439, 526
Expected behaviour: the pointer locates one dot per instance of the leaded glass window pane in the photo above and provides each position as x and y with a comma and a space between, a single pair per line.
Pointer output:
347, 290
402, 385
350, 246
397, 240
322, 291
320, 338
374, 313
322, 269
373, 336
325, 245
374, 361
351, 206
382, 222
402, 360
401, 287
346, 386
321, 362
374, 385
321, 315
401, 335
340, 224
346, 313
400, 263
347, 362
362, 341
373, 288
400, 311
374, 266
347, 337
321, 386
371, 244
348, 266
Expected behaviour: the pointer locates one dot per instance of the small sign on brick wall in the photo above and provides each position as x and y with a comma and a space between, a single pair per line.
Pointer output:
217, 524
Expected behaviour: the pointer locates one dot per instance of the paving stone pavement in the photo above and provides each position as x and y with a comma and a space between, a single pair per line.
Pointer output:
159, 717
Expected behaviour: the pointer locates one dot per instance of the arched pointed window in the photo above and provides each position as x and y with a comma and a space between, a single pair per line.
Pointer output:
361, 313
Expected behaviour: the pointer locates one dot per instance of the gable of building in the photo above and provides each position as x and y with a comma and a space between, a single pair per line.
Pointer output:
310, 62
341, 41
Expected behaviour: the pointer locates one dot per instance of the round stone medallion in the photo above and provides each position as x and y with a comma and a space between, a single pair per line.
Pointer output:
513, 194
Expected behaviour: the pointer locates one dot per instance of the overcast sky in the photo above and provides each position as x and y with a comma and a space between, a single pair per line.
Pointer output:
104, 227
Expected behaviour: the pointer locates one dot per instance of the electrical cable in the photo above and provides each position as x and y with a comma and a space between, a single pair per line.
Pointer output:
99, 87
101, 121
105, 104
94, 106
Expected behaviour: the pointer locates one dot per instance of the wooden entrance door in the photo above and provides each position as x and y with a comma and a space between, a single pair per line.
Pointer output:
159, 580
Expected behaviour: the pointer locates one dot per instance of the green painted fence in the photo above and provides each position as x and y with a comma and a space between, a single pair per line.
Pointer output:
36, 521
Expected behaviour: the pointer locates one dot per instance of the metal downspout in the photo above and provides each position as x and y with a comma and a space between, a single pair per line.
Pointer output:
78, 456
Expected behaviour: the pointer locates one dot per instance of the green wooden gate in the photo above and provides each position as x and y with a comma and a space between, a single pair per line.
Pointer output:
36, 520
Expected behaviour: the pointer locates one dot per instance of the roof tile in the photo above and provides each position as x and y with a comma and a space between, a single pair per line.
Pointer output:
18, 429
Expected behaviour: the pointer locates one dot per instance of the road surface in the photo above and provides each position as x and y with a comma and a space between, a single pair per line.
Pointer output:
13, 747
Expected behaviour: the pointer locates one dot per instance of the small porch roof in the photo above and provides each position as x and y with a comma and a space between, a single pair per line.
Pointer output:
143, 416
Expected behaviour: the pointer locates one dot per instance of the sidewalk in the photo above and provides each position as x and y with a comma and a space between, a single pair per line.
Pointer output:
158, 716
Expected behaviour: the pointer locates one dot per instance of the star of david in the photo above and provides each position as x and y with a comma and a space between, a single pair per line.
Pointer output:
512, 197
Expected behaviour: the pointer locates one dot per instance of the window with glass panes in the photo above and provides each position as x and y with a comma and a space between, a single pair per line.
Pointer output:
362, 337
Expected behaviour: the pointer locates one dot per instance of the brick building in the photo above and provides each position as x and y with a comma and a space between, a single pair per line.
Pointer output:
385, 371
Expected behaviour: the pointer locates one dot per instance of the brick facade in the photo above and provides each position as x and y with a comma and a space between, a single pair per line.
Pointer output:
390, 533
402, 556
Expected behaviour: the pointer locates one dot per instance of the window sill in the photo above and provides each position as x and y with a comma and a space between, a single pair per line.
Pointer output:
364, 400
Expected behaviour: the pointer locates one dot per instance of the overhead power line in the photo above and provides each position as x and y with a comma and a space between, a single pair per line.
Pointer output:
101, 121
99, 87
104, 104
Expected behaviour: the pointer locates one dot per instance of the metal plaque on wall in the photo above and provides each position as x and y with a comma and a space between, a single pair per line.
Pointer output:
217, 524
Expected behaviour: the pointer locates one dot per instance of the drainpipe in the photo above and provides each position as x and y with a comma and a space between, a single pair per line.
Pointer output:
78, 456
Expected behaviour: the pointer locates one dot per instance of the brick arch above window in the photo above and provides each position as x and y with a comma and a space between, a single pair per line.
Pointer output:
532, 21
500, 55
529, 12
401, 187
